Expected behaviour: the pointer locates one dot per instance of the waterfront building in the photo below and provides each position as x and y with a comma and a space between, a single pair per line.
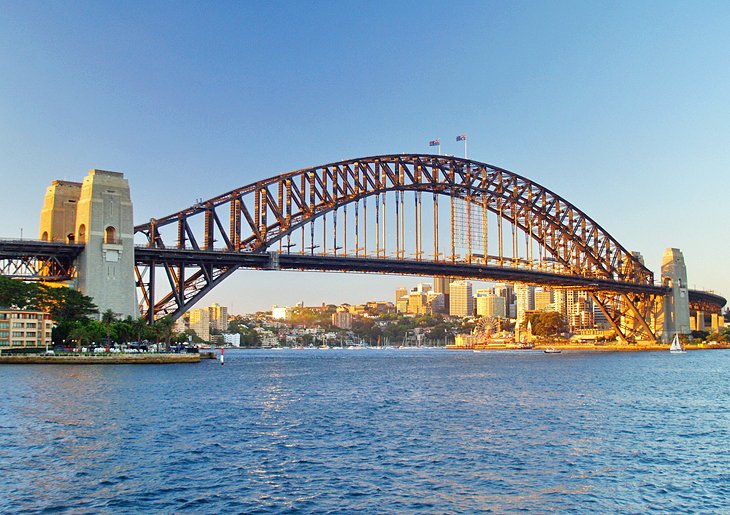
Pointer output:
461, 300
218, 317
24, 328
233, 339
199, 321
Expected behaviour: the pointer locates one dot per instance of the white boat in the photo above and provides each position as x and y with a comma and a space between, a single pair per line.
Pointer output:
676, 347
551, 350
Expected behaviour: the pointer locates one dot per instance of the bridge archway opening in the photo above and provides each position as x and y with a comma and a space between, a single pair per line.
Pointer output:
44, 236
82, 233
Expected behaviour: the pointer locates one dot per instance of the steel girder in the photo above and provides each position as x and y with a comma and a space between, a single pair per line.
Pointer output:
33, 260
263, 213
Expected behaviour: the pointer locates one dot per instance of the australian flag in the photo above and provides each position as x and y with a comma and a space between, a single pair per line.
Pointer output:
461, 137
434, 143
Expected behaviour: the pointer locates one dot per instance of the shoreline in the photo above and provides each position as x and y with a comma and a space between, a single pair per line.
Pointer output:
119, 359
590, 347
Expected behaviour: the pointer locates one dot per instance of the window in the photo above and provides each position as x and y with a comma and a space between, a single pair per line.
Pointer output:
17, 334
17, 325
82, 233
30, 334
4, 325
4, 334
110, 235
31, 325
44, 237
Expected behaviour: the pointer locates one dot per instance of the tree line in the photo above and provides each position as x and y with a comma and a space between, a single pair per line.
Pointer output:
74, 316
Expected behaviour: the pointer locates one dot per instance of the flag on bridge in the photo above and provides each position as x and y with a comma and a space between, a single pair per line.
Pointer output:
434, 143
461, 137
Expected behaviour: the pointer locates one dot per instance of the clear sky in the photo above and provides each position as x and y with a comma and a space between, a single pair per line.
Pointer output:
623, 108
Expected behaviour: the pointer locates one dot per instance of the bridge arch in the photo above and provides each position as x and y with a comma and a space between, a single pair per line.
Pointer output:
259, 217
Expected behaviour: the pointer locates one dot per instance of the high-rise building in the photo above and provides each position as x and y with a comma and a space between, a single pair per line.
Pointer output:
560, 300
491, 306
441, 285
200, 323
435, 302
417, 303
524, 300
461, 300
218, 317
543, 300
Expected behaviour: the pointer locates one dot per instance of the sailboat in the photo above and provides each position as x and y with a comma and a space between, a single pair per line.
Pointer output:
676, 347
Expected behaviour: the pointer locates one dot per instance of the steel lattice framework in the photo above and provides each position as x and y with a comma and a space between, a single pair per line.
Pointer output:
282, 222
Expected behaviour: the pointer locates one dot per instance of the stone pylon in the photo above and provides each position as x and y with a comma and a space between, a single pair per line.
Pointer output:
676, 304
98, 214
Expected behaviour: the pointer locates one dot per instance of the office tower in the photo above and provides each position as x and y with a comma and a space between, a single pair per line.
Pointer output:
543, 299
218, 317
491, 306
524, 300
200, 323
461, 300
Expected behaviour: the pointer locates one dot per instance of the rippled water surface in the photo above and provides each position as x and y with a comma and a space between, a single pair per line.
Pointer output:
371, 431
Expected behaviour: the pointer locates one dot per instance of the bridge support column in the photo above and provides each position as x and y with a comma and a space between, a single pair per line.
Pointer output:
98, 214
676, 303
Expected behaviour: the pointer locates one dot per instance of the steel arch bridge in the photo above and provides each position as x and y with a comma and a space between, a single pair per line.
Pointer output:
367, 215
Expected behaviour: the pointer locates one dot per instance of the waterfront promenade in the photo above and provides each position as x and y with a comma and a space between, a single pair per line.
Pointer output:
105, 359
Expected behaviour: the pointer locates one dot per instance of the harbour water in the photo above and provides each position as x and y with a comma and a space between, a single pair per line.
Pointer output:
392, 431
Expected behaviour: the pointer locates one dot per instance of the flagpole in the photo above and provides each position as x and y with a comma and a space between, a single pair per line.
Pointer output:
465, 154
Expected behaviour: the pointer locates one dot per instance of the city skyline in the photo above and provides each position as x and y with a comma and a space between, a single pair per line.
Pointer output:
618, 115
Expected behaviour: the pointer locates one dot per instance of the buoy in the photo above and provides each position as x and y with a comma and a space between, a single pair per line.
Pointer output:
222, 356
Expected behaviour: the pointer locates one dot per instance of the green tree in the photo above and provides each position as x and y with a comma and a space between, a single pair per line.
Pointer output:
64, 303
163, 329
108, 317
548, 323
16, 294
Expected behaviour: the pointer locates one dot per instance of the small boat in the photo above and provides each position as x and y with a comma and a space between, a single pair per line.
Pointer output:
551, 350
676, 347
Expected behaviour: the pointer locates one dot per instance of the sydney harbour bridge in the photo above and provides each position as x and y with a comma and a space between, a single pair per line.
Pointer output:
410, 214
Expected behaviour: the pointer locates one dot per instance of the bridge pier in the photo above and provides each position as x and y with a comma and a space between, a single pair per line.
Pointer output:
98, 214
676, 303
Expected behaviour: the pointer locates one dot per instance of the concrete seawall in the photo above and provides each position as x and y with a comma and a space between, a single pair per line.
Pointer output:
107, 359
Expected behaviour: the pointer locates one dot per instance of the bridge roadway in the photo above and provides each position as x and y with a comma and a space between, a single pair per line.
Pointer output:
35, 249
329, 263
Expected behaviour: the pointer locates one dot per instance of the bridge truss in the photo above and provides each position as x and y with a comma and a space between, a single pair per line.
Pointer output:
416, 214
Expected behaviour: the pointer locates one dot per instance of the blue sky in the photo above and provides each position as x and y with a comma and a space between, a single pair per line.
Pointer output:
620, 107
